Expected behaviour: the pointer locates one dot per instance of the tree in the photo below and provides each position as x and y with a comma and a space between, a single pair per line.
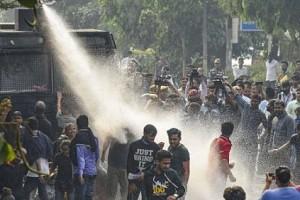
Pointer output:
271, 15
7, 4
79, 13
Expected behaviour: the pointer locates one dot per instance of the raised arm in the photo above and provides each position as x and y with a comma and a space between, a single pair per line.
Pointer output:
59, 99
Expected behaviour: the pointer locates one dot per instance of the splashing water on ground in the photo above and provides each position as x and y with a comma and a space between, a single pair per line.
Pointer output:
102, 98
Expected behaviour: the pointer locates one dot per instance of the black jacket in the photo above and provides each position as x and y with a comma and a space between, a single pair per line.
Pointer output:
160, 186
141, 156
46, 126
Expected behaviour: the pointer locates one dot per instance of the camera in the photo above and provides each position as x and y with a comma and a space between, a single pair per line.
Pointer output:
162, 81
271, 175
194, 73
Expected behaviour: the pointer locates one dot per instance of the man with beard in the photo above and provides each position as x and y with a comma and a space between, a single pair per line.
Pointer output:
181, 156
286, 95
291, 107
282, 132
162, 182
294, 142
217, 72
140, 158
247, 138
284, 72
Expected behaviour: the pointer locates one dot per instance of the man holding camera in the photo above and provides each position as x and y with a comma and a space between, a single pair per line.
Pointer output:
217, 71
285, 189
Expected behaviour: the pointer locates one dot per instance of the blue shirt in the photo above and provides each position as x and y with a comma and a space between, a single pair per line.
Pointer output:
285, 193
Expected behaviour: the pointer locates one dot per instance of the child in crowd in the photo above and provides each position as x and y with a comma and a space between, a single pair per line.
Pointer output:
63, 180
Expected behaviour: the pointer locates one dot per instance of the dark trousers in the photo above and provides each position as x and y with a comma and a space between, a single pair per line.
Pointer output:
84, 191
135, 195
60, 195
116, 177
31, 183
248, 157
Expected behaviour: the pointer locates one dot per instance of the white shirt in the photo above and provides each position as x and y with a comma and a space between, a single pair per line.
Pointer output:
286, 98
272, 70
238, 72
44, 167
247, 99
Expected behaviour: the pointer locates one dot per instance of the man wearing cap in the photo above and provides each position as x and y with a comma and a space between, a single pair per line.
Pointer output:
217, 72
240, 71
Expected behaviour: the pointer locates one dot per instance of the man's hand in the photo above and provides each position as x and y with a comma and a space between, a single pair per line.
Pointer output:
171, 197
42, 179
273, 151
81, 180
269, 179
132, 188
231, 165
141, 178
59, 95
161, 145
232, 178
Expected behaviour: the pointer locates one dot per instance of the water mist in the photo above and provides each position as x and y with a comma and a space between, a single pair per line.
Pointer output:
103, 99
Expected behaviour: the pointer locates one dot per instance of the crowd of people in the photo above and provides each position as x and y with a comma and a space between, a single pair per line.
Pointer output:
260, 120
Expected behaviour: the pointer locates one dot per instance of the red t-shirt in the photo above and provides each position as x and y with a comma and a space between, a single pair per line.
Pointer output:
219, 150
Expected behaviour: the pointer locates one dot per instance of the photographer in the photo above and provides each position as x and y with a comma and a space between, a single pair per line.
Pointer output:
217, 71
197, 82
285, 190
166, 75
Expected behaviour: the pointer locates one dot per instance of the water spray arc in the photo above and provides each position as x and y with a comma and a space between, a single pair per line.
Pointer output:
100, 92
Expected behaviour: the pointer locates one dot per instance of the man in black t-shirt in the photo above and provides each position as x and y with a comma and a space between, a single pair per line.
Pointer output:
162, 182
295, 144
140, 158
181, 157
117, 165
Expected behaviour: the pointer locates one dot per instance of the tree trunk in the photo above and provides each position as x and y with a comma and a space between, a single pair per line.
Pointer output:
183, 46
228, 42
204, 35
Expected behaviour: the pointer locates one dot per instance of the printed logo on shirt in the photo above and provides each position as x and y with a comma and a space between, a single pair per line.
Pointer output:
159, 188
143, 156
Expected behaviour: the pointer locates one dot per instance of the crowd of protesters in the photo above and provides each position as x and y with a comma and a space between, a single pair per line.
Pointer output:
260, 120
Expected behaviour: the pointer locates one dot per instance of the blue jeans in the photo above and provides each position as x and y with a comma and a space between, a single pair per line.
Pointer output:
84, 191
31, 184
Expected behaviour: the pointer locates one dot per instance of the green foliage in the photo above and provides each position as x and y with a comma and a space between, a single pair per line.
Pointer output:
80, 13
258, 69
28, 3
7, 4
6, 151
270, 14
173, 28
